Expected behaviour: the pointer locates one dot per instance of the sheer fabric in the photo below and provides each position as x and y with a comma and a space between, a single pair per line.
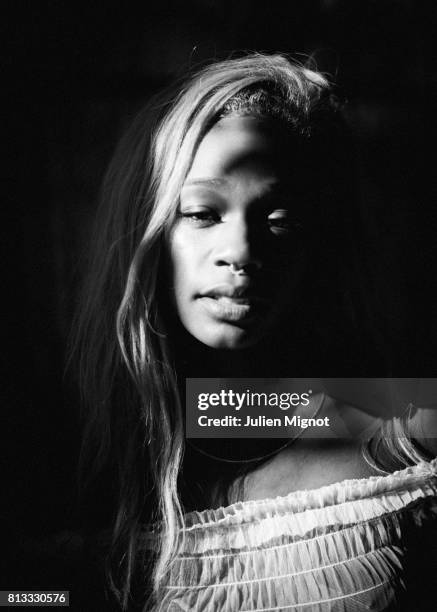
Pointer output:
355, 545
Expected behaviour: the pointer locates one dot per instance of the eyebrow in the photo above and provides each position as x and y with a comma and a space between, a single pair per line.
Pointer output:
274, 189
206, 182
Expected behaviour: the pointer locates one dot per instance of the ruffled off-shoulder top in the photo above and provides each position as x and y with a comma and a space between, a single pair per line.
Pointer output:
367, 544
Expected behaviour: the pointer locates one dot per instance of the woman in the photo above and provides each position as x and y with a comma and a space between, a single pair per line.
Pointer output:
228, 244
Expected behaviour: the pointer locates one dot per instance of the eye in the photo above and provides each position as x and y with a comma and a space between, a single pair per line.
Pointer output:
279, 222
200, 217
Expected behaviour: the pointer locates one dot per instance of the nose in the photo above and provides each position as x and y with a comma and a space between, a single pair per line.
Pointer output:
235, 247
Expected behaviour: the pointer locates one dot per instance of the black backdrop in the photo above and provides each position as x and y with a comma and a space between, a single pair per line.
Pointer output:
76, 75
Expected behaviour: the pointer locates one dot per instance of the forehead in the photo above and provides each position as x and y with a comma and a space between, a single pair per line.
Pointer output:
236, 143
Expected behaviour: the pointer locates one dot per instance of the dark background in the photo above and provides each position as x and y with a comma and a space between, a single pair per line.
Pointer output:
75, 75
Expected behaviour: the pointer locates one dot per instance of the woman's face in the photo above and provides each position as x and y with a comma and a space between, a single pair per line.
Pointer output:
235, 248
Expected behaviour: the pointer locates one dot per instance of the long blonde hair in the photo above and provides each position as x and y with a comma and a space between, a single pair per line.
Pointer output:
133, 417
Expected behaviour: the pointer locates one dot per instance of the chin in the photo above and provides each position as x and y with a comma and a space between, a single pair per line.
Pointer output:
227, 337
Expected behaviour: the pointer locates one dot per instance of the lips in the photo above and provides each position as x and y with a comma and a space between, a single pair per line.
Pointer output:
233, 304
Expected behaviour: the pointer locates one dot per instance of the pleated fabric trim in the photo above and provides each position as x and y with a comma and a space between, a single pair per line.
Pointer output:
338, 548
399, 488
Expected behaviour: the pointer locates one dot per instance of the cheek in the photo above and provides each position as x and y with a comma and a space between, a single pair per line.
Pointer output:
184, 262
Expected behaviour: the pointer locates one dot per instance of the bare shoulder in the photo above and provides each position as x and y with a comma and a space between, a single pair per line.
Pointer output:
355, 423
423, 428
310, 463
422, 425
